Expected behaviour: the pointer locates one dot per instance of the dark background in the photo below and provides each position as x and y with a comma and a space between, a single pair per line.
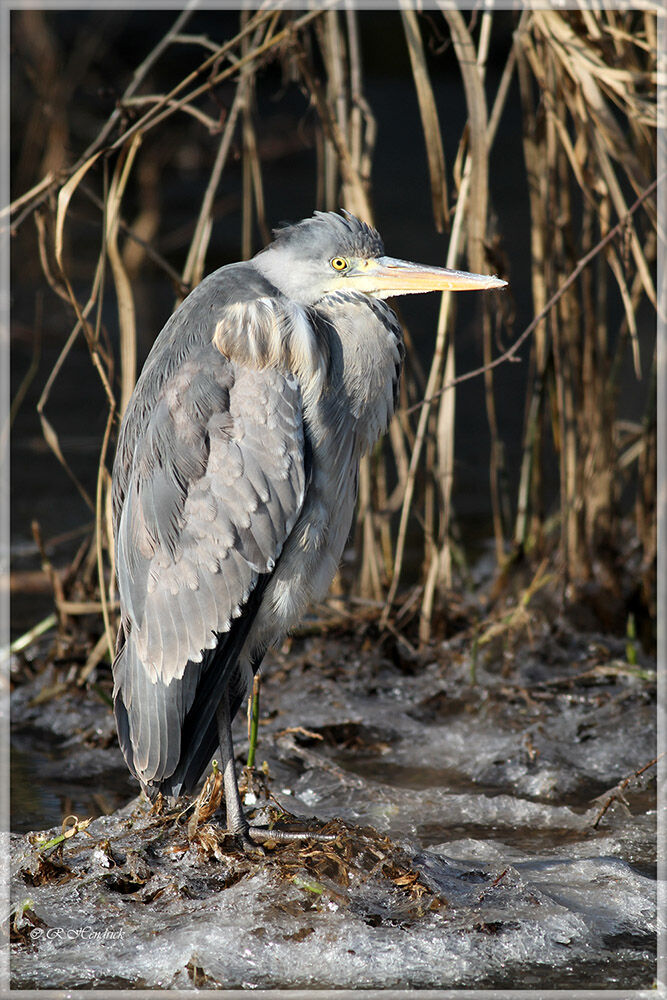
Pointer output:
96, 53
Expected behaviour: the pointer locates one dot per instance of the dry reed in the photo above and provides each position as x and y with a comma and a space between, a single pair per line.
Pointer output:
587, 85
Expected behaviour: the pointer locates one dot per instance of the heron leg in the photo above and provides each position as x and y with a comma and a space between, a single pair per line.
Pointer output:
236, 820
251, 837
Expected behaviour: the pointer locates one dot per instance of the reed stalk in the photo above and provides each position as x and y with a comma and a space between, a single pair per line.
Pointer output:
586, 158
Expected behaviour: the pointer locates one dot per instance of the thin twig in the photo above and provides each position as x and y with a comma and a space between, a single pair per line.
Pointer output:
617, 792
148, 249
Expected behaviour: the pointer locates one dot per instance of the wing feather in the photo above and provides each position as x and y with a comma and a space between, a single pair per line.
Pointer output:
140, 731
216, 481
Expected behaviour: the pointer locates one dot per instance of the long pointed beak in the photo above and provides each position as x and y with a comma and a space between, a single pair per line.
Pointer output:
387, 276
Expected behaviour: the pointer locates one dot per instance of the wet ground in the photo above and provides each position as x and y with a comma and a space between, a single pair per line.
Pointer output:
490, 827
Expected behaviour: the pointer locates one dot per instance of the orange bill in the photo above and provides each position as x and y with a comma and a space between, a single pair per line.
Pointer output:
387, 276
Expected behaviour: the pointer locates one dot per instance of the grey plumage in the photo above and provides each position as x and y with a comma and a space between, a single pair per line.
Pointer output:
235, 476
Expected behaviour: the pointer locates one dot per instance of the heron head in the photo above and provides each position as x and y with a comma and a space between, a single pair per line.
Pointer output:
331, 253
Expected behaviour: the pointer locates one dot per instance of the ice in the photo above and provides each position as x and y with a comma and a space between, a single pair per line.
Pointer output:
473, 850
550, 915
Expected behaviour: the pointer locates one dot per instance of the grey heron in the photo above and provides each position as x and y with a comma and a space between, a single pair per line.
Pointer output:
235, 479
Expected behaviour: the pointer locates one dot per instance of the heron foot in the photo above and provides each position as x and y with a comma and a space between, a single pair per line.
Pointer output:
243, 835
263, 835
250, 838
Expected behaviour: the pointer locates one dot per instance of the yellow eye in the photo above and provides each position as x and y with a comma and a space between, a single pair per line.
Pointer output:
339, 263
